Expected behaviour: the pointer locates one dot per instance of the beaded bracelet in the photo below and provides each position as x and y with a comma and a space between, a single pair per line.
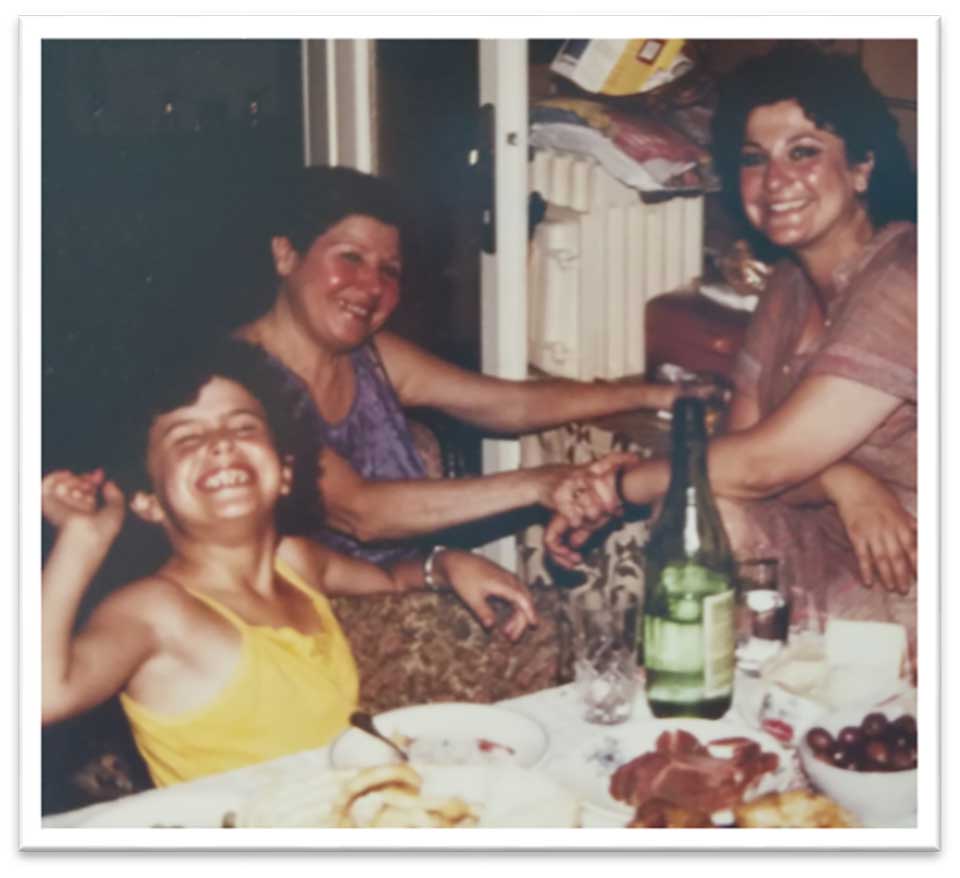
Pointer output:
428, 580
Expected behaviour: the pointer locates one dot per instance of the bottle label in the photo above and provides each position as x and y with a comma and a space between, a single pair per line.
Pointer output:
718, 643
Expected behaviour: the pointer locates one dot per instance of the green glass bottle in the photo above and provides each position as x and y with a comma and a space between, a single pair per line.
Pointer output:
687, 636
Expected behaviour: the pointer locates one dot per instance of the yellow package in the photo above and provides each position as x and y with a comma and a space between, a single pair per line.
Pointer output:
593, 113
622, 67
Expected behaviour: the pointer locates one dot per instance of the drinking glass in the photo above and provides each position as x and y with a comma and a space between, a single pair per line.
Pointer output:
604, 654
763, 612
808, 614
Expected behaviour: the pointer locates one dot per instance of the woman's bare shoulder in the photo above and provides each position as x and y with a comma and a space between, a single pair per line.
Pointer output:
412, 370
424, 379
390, 345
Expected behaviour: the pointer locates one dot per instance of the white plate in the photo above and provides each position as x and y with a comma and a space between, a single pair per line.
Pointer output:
501, 795
448, 734
586, 770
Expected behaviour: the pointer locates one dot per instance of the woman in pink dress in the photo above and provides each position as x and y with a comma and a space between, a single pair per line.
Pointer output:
819, 467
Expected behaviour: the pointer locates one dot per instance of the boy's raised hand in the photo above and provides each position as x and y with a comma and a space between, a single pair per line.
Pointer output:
89, 498
476, 580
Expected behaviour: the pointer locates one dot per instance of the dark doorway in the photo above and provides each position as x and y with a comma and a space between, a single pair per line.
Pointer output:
149, 150
427, 106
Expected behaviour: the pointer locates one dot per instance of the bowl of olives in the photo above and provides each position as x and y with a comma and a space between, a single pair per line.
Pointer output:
866, 761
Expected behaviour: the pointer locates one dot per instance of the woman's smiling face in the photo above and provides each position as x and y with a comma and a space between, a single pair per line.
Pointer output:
796, 185
347, 284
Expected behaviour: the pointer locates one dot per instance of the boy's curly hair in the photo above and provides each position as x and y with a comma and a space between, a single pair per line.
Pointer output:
174, 378
837, 96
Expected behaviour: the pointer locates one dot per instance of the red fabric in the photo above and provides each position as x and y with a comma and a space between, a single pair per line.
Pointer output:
644, 138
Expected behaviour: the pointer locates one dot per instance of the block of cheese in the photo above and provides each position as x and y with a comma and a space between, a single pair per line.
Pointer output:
865, 659
856, 662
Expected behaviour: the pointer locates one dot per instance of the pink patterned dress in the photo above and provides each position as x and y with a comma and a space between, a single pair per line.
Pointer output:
870, 337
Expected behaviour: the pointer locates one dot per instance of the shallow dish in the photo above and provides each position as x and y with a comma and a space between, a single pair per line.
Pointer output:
876, 798
453, 733
586, 770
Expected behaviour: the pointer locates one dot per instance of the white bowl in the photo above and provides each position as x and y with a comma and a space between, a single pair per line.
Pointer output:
876, 798
447, 734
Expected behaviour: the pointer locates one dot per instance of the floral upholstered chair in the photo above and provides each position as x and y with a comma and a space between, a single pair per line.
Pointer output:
427, 646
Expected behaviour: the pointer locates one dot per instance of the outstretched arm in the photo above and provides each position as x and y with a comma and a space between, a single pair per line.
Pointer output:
79, 671
821, 422
386, 510
824, 419
509, 407
378, 510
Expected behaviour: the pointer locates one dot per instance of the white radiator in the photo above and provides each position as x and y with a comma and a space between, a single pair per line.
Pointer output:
598, 257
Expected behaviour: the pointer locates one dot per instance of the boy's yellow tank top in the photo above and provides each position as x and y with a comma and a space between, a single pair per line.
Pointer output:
290, 692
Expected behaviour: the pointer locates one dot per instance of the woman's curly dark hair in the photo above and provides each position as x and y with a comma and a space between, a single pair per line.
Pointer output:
175, 378
311, 200
837, 96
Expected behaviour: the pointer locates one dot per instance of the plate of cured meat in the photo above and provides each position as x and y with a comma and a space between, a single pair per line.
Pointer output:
676, 772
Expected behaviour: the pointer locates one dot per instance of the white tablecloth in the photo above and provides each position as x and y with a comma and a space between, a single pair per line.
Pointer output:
558, 710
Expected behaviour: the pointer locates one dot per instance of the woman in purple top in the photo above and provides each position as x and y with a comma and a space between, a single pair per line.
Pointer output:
373, 437
337, 249
819, 468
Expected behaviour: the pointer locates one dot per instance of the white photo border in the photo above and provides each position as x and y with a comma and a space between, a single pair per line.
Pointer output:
925, 29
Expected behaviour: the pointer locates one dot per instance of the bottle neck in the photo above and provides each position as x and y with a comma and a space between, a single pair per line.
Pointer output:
688, 509
689, 527
688, 470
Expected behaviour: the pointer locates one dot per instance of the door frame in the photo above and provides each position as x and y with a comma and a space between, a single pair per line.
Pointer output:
339, 103
503, 274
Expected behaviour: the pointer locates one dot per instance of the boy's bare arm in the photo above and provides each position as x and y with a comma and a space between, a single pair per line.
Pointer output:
337, 574
475, 579
86, 669
79, 671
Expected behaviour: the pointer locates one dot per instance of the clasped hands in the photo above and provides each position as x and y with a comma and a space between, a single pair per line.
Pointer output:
584, 502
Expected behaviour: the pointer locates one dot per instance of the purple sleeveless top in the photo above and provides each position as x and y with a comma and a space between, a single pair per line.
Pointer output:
373, 437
